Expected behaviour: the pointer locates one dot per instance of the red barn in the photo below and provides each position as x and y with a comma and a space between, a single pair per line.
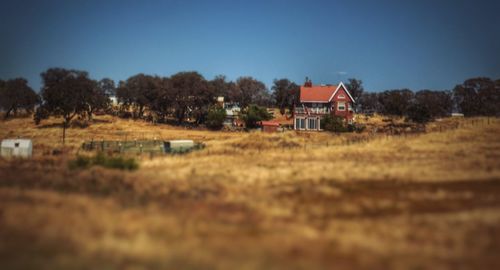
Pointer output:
317, 101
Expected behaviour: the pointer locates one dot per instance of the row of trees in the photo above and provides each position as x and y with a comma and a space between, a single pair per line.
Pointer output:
183, 96
476, 96
420, 106
189, 96
186, 95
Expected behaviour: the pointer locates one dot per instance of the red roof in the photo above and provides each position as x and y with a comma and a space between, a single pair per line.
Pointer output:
317, 93
269, 123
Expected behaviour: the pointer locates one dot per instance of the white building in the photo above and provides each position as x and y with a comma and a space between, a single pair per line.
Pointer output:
16, 148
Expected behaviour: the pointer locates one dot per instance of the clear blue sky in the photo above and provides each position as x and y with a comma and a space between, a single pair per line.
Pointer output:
387, 44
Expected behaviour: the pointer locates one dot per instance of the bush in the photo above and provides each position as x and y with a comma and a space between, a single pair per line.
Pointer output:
419, 113
254, 114
334, 124
84, 162
215, 118
356, 128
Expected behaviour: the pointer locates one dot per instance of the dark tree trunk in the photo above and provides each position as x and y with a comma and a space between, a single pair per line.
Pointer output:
89, 117
8, 113
64, 131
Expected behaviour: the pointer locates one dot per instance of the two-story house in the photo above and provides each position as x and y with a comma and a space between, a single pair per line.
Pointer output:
317, 101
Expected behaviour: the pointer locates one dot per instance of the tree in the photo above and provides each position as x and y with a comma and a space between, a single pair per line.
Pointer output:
253, 114
437, 103
65, 93
15, 94
163, 104
192, 96
355, 87
333, 123
215, 118
107, 85
369, 103
251, 91
419, 112
477, 96
396, 102
284, 94
138, 91
223, 88
99, 99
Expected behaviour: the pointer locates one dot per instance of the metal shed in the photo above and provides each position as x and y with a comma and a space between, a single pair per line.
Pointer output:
16, 148
178, 146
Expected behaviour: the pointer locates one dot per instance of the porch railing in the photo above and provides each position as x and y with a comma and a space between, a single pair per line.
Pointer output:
301, 110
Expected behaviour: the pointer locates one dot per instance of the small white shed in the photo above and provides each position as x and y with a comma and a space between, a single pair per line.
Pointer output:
16, 148
178, 145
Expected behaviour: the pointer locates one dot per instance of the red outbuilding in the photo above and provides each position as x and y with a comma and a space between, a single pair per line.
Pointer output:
269, 126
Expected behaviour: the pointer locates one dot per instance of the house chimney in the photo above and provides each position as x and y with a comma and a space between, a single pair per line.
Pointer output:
308, 83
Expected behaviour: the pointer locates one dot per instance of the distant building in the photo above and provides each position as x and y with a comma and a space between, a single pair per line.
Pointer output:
114, 101
317, 101
233, 111
269, 126
16, 148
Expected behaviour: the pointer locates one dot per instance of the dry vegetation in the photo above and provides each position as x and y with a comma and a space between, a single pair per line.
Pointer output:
256, 201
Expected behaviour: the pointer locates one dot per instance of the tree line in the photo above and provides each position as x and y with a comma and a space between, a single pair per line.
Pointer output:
185, 95
474, 97
189, 97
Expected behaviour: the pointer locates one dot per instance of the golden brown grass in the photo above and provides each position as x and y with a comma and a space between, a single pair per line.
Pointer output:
257, 201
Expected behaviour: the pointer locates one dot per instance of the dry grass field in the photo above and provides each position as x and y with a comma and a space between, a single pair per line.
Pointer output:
292, 200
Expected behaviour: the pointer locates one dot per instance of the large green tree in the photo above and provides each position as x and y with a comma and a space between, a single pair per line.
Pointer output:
437, 103
15, 94
396, 102
222, 87
191, 95
355, 87
65, 93
251, 91
284, 94
215, 117
138, 91
99, 100
163, 104
478, 96
254, 114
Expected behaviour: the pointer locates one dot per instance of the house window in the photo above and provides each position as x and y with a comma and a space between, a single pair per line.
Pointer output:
341, 106
312, 123
341, 96
300, 123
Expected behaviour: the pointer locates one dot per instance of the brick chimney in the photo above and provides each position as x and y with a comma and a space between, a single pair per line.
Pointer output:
308, 83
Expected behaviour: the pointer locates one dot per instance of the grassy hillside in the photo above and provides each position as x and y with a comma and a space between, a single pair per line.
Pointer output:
256, 201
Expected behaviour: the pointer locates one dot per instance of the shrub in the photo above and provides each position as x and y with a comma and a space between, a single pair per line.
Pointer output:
358, 128
254, 114
419, 113
215, 118
84, 162
334, 124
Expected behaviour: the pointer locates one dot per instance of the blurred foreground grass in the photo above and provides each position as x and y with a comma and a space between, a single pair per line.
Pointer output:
256, 201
